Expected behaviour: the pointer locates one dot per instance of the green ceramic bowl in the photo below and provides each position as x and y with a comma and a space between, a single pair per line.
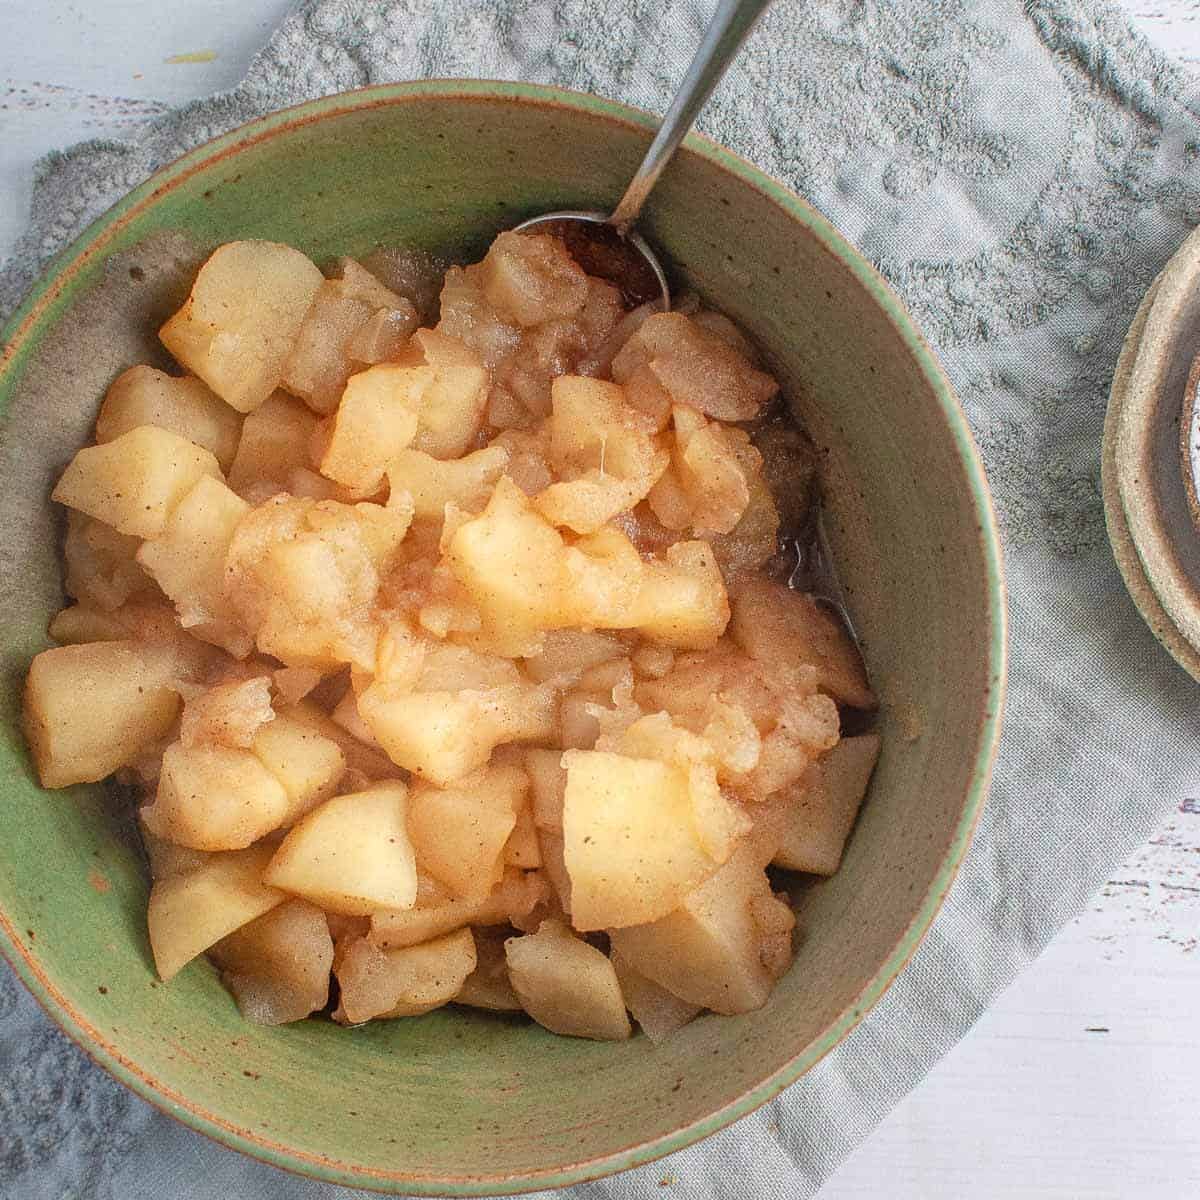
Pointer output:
459, 1102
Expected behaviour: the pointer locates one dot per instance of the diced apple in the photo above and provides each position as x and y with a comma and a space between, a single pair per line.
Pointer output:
510, 561
603, 582
194, 910
369, 763
467, 318
92, 708
78, 623
514, 897
318, 365
567, 653
351, 855
754, 540
302, 575
606, 454
445, 735
522, 849
657, 1011
402, 983
101, 568
227, 714
682, 602
807, 727
632, 847
215, 798
182, 404
275, 441
532, 278
294, 683
242, 318
452, 414
307, 764
166, 858
710, 951
278, 965
586, 504
566, 985
360, 283
353, 319
776, 624
696, 366
133, 482
554, 865
433, 483
826, 801
708, 485
376, 419
548, 781
459, 832
578, 722
187, 560
488, 985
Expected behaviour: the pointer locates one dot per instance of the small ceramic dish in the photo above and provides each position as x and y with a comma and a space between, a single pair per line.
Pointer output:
461, 1102
1149, 464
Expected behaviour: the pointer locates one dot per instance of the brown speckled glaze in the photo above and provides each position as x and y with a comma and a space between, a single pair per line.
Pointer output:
1149, 489
462, 1102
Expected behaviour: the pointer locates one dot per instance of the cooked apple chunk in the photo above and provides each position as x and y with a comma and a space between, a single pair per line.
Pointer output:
193, 910
639, 834
826, 800
101, 565
510, 561
459, 832
92, 708
437, 912
278, 965
187, 560
488, 986
301, 576
215, 798
659, 1013
696, 367
443, 736
181, 404
433, 483
404, 982
375, 421
353, 319
723, 948
275, 443
566, 985
453, 410
775, 624
351, 855
134, 482
242, 318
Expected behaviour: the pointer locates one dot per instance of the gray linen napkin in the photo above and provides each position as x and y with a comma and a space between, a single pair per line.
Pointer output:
1020, 172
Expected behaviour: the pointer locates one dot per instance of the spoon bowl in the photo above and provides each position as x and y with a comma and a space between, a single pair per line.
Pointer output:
623, 259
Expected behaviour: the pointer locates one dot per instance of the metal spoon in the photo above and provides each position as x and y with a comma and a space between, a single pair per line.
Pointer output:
605, 244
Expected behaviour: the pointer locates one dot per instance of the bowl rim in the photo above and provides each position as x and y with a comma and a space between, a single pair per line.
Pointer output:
1140, 405
42, 302
1120, 537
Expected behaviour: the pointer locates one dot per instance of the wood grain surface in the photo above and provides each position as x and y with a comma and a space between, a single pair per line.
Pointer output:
1080, 1082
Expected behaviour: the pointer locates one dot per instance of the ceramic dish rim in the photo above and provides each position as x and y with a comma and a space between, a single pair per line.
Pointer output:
41, 303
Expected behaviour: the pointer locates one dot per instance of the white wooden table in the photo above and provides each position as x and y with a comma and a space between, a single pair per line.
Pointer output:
1082, 1081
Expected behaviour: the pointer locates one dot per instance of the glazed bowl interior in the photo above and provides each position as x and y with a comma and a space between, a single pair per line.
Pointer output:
459, 1101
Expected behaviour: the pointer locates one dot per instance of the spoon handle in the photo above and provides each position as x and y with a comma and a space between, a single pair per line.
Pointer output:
726, 32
